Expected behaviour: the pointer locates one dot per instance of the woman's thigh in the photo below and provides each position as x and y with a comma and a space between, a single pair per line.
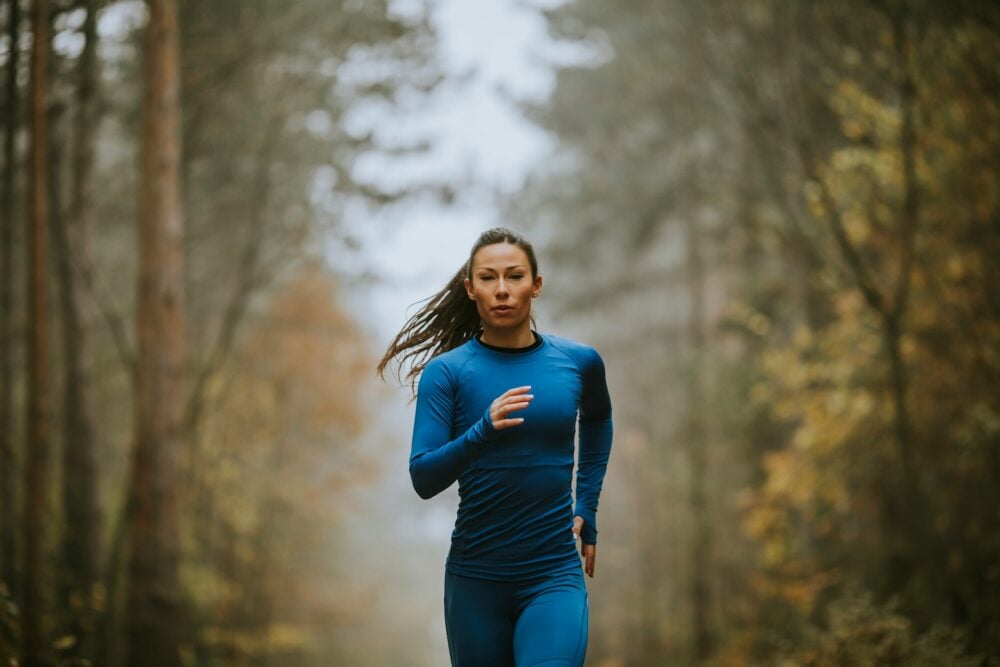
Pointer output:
479, 620
552, 628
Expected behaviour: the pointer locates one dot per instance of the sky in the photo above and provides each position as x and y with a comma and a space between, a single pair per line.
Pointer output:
477, 133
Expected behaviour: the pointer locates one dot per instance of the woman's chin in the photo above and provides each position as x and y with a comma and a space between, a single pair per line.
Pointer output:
505, 323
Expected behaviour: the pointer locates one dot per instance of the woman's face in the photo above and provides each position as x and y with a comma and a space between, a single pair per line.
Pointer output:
502, 286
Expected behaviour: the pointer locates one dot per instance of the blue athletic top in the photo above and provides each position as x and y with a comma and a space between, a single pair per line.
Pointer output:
516, 509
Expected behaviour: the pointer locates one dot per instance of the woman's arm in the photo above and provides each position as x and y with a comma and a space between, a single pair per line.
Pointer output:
434, 466
436, 461
596, 432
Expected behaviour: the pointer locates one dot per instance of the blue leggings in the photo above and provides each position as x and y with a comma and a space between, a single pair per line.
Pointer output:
540, 623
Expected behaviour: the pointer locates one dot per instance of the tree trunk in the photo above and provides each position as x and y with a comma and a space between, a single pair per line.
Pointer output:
696, 443
895, 318
80, 540
7, 510
651, 644
108, 645
37, 459
153, 596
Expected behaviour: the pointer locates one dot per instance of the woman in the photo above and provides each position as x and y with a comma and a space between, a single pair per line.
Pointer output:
497, 406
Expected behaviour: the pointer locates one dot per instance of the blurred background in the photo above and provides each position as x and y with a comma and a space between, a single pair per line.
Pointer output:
778, 222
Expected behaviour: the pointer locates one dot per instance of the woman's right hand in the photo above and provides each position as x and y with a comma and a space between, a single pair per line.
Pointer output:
506, 403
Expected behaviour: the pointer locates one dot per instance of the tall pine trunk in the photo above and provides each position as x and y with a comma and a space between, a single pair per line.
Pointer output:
153, 596
8, 512
37, 460
80, 539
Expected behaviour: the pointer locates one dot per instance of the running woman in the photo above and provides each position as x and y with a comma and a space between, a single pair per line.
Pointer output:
497, 410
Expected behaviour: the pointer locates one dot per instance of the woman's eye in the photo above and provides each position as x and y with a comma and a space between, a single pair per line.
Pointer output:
486, 277
516, 276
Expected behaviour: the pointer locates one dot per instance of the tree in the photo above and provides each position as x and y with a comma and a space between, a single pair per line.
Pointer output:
154, 604
36, 575
282, 454
80, 563
7, 487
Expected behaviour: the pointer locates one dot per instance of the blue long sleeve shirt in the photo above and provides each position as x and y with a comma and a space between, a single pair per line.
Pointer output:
516, 505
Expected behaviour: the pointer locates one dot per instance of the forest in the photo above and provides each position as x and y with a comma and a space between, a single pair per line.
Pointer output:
774, 220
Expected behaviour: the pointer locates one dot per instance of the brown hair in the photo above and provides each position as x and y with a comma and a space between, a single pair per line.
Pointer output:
450, 317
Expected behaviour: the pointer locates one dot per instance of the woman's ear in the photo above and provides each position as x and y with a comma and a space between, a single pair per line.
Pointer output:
537, 289
468, 289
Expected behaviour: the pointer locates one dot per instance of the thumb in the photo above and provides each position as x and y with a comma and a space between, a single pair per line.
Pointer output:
577, 526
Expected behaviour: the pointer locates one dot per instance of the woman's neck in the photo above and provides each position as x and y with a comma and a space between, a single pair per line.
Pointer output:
522, 337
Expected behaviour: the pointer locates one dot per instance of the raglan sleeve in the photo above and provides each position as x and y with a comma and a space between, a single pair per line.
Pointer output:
437, 460
596, 430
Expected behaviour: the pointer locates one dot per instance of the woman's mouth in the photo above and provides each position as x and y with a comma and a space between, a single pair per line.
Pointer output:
503, 310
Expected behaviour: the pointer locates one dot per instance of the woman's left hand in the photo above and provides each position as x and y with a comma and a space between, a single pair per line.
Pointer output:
587, 551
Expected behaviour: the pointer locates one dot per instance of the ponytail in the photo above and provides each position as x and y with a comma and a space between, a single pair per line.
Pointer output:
450, 318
